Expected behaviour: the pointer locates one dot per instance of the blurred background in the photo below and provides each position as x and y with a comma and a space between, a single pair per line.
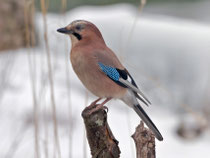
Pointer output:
165, 44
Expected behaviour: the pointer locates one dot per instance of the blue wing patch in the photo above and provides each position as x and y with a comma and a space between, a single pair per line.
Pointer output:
115, 74
110, 71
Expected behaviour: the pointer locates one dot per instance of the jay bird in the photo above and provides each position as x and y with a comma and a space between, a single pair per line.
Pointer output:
100, 70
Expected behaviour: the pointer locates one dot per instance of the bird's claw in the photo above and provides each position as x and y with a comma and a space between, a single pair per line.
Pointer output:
105, 108
97, 108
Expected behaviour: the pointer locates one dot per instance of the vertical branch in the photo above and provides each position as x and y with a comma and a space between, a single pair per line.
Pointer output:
140, 9
63, 10
69, 100
43, 8
33, 39
145, 142
63, 6
28, 36
100, 138
141, 6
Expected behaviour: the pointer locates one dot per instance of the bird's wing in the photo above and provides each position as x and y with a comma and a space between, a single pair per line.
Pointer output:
124, 79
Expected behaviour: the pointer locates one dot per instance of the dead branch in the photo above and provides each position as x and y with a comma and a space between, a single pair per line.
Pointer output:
145, 142
102, 142
100, 138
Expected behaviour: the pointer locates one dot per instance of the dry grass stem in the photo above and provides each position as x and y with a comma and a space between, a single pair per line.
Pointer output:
68, 85
30, 35
50, 76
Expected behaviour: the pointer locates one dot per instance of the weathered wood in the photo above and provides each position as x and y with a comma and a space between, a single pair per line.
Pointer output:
145, 142
100, 138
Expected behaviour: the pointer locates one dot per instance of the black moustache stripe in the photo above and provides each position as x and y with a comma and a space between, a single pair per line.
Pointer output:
78, 36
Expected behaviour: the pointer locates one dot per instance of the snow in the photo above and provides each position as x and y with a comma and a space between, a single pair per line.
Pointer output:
168, 56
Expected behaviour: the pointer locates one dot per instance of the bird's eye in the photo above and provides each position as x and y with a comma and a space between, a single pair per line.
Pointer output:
78, 27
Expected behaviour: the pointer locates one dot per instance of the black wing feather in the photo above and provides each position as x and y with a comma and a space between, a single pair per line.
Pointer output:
125, 74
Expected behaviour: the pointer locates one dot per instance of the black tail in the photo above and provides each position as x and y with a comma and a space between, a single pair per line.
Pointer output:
139, 110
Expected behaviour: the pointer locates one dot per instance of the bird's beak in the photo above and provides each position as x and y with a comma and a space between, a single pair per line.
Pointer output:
65, 30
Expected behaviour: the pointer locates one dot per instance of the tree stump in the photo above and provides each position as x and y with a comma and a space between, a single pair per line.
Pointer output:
103, 143
100, 138
145, 142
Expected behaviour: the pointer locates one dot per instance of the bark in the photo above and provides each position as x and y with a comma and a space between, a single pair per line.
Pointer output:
103, 143
100, 138
145, 142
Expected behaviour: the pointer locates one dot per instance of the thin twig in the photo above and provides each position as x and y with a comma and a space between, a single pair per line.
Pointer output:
27, 14
69, 100
141, 6
63, 10
43, 8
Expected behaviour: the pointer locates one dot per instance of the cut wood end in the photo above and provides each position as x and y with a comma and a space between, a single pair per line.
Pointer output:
100, 138
145, 142
142, 133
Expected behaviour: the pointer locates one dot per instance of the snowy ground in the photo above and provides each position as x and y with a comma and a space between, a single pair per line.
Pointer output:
168, 57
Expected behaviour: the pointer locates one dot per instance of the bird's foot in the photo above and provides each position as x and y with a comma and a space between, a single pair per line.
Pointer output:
97, 108
94, 103
106, 109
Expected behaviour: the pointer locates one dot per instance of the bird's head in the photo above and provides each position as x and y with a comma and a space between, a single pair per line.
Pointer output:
82, 31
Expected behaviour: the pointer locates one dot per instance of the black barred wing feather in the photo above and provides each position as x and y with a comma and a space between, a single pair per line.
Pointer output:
124, 79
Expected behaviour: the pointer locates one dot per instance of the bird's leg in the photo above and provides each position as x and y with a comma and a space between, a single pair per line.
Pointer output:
99, 106
94, 103
102, 104
105, 101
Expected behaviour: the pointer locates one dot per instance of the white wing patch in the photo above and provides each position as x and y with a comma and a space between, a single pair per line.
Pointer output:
129, 79
132, 87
